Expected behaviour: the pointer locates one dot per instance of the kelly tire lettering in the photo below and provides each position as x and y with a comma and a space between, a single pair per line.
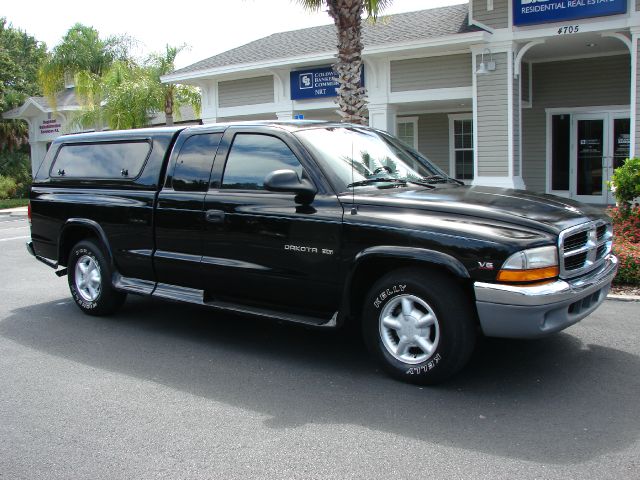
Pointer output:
419, 324
105, 299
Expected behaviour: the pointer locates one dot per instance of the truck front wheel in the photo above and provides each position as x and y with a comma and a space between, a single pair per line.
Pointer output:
419, 324
90, 280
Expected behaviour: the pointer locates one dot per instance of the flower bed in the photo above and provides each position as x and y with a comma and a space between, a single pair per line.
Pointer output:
626, 244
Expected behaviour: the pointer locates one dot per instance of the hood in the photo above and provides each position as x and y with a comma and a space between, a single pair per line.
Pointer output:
541, 211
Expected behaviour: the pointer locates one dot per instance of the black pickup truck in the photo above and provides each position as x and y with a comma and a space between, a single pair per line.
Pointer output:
318, 223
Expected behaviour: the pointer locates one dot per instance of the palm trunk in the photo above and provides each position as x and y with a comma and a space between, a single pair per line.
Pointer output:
168, 109
347, 17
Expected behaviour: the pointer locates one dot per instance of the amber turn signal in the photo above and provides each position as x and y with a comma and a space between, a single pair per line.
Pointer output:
532, 275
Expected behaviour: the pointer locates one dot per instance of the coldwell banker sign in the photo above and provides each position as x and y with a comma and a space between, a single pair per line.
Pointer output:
527, 12
314, 83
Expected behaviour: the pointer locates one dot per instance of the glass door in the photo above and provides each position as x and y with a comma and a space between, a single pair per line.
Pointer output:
590, 164
620, 128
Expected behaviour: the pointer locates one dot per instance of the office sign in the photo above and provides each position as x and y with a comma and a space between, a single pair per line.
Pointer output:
314, 83
49, 128
528, 12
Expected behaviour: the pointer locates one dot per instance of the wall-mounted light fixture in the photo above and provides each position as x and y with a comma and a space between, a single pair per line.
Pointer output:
486, 67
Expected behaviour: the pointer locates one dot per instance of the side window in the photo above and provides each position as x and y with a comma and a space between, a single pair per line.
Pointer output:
193, 165
123, 160
252, 157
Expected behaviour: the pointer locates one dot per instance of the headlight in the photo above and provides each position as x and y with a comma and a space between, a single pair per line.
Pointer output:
530, 265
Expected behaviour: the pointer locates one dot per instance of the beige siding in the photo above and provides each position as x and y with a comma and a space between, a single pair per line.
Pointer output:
570, 83
431, 72
492, 142
637, 5
496, 18
433, 138
247, 91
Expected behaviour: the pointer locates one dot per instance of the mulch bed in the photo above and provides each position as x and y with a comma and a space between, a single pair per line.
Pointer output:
625, 289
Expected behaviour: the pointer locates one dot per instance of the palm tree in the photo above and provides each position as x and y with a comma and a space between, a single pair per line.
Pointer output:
81, 51
85, 58
172, 96
347, 17
13, 134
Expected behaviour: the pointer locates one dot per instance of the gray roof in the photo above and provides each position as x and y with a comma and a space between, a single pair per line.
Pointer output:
66, 98
399, 28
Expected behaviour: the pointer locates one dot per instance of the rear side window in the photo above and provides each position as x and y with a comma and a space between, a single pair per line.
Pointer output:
193, 166
114, 160
252, 157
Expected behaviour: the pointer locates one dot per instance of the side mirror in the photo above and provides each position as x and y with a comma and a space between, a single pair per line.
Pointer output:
288, 181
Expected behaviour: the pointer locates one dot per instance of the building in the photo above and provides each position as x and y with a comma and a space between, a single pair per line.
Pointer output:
536, 94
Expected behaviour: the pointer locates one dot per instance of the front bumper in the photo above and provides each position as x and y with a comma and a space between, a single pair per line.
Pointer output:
536, 311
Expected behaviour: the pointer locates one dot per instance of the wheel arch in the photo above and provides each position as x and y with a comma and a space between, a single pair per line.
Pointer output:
374, 262
77, 229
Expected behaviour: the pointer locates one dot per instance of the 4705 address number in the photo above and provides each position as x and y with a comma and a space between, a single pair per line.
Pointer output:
568, 29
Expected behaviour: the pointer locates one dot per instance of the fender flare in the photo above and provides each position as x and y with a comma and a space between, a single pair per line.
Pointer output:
89, 225
420, 255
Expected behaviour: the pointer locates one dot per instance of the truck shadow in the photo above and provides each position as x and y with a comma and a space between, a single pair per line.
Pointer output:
539, 400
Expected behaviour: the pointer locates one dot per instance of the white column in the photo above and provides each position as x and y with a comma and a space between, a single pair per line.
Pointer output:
383, 117
209, 94
633, 103
38, 151
496, 117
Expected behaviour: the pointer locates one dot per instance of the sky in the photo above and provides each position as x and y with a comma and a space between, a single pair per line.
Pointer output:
206, 27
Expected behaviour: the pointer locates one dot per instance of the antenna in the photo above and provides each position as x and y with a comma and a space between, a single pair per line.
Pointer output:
354, 209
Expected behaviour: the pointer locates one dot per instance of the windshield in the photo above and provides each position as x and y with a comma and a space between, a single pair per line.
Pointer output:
360, 157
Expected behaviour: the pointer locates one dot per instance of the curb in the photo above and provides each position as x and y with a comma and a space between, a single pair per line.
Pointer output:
624, 298
14, 212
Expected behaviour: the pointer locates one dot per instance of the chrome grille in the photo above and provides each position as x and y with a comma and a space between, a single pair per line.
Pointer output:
584, 247
576, 241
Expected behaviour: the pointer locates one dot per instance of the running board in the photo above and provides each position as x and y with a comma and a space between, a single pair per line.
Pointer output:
195, 296
133, 285
273, 314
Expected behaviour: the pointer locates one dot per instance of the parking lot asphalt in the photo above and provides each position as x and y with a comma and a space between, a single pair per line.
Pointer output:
163, 390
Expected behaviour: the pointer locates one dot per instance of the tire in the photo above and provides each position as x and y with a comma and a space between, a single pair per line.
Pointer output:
420, 325
90, 280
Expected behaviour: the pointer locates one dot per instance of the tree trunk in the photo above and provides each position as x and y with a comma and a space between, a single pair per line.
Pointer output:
168, 109
347, 17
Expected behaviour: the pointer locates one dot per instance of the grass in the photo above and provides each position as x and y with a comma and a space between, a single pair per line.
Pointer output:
13, 203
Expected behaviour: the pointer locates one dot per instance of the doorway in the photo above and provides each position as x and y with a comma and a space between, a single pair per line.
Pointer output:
583, 150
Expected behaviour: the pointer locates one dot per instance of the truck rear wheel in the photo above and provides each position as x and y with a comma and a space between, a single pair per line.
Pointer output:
90, 280
419, 324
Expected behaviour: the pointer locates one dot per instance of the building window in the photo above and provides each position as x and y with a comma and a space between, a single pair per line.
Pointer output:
407, 131
461, 146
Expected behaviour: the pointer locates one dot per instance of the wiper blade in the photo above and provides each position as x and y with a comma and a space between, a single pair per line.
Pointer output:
396, 181
369, 181
441, 179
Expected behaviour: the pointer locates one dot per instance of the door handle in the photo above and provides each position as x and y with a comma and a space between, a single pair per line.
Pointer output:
214, 216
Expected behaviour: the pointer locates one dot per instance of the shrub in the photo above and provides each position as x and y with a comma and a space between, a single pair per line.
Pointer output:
629, 263
625, 182
17, 165
626, 244
7, 187
626, 224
